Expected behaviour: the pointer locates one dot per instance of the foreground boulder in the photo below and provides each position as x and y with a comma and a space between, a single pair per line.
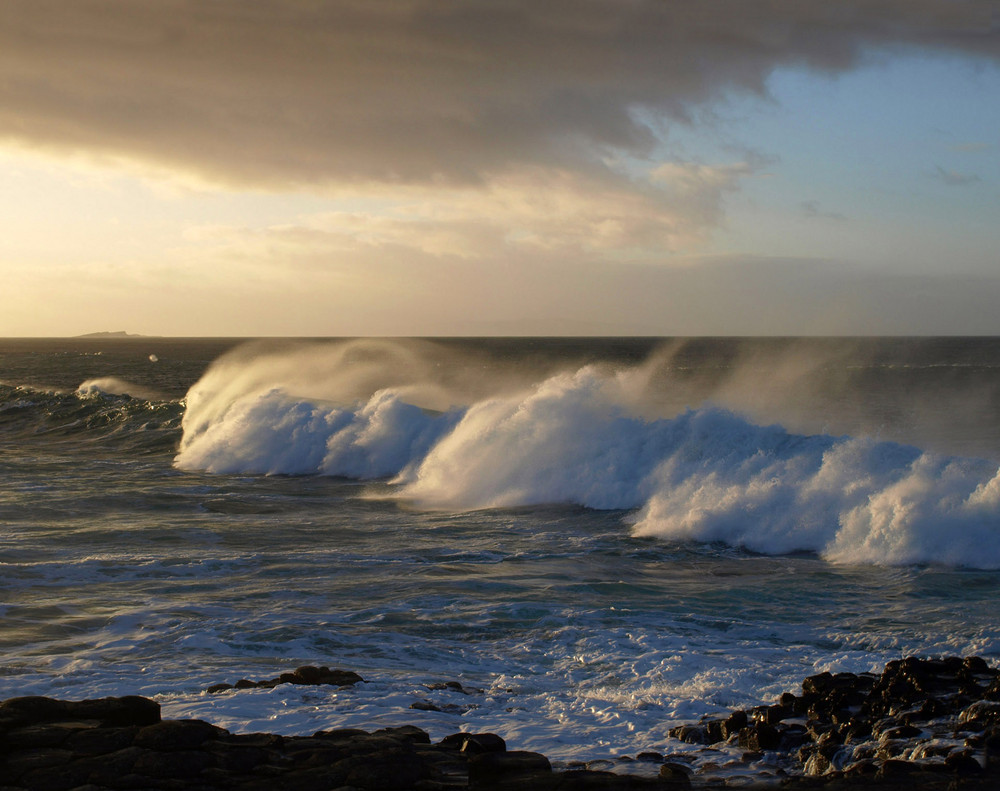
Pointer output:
919, 721
934, 724
122, 743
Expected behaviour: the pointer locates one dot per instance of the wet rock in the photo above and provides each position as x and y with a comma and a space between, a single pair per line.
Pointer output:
453, 685
758, 737
980, 715
390, 770
903, 720
304, 675
173, 735
35, 736
176, 764
474, 743
491, 769
734, 723
963, 762
101, 741
128, 710
689, 734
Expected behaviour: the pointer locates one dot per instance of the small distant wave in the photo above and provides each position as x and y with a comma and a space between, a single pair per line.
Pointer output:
706, 474
94, 411
112, 385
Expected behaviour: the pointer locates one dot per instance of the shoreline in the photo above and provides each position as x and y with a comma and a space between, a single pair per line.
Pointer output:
928, 723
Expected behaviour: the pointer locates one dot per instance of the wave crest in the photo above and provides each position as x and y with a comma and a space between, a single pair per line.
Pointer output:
582, 437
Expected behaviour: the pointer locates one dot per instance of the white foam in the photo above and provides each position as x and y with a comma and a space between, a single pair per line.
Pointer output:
580, 437
112, 385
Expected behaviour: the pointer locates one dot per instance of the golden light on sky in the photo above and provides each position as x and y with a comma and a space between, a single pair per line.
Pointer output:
499, 167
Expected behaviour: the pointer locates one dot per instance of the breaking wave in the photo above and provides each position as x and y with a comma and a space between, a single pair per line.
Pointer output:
586, 437
101, 411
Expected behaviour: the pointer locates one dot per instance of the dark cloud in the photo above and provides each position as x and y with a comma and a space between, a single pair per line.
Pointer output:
275, 93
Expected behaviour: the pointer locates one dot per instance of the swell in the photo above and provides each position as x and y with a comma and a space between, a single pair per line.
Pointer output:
448, 439
99, 412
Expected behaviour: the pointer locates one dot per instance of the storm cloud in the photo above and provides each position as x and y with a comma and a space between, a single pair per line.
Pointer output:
274, 95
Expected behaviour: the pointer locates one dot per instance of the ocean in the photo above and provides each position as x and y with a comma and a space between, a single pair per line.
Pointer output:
573, 543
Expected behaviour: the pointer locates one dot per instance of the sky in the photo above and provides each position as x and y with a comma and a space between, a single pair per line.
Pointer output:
499, 167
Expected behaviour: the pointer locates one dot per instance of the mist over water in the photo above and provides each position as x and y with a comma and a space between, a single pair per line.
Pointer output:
677, 437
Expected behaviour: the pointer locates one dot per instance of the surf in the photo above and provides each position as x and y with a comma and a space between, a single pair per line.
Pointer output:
449, 430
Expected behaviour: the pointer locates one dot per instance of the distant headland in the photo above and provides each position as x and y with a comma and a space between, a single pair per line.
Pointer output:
117, 334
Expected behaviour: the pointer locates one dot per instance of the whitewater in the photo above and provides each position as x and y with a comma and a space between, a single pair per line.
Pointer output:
597, 539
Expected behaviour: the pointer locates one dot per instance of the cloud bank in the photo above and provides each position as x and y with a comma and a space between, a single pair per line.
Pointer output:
277, 95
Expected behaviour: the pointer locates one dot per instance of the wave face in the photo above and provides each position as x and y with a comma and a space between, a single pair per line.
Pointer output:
452, 432
107, 410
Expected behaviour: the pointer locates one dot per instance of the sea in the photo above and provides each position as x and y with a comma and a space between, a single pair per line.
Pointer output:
574, 543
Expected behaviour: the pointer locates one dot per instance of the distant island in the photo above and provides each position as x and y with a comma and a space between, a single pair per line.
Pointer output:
118, 334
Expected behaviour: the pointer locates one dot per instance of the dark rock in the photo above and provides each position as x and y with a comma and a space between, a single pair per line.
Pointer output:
963, 763
759, 736
237, 758
978, 665
713, 731
100, 741
981, 714
308, 674
734, 723
406, 733
305, 752
792, 737
772, 715
35, 710
177, 735
124, 711
34, 736
489, 769
106, 770
54, 778
901, 732
340, 678
689, 734
30, 709
28, 760
179, 764
588, 780
265, 741
305, 675
474, 743
453, 685
391, 770
861, 769
678, 774
896, 768
313, 778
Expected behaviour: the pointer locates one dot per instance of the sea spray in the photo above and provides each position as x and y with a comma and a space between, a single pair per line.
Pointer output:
585, 437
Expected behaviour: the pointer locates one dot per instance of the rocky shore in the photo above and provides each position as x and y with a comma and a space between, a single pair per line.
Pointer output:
930, 724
